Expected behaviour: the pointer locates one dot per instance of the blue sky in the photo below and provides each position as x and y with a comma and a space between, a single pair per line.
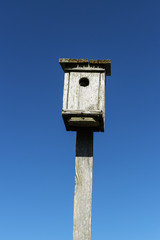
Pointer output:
36, 153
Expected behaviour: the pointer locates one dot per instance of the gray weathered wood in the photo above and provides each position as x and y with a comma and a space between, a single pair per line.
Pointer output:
83, 186
84, 91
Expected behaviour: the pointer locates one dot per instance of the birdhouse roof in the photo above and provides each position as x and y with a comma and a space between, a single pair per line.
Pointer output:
67, 63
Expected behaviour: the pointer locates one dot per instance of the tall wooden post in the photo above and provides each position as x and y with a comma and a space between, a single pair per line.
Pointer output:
84, 111
83, 186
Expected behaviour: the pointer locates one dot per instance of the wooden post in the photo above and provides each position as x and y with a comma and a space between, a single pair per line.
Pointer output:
83, 186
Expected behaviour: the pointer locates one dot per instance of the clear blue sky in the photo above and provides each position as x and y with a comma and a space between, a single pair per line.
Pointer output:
36, 153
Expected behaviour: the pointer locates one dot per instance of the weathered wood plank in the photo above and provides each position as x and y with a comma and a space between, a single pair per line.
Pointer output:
83, 186
65, 91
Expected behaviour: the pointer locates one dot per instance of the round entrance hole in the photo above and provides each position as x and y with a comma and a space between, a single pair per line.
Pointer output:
84, 82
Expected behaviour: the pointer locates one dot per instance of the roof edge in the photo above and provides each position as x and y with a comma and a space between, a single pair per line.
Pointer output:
66, 62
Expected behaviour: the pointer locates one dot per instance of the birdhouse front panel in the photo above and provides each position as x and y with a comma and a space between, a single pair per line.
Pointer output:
83, 91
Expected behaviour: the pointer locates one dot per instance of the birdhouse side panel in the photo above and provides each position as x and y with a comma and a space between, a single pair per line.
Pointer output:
102, 87
65, 91
73, 91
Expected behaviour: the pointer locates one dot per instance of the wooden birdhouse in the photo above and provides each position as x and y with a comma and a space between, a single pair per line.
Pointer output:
84, 93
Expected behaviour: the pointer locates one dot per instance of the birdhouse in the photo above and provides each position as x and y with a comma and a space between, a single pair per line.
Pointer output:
84, 93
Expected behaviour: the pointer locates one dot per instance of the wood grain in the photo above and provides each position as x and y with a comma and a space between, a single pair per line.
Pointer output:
83, 186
